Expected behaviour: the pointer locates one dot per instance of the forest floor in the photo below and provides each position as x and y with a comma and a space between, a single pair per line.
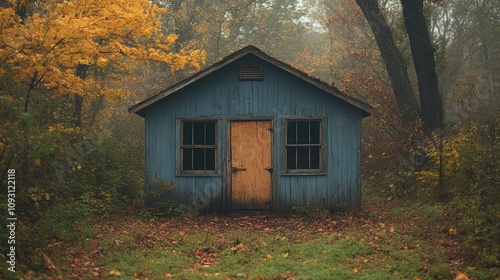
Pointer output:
388, 240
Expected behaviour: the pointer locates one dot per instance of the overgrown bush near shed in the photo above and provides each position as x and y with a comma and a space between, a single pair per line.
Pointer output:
471, 176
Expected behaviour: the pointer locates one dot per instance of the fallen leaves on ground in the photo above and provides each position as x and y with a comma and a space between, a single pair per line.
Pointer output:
115, 272
205, 257
48, 263
375, 227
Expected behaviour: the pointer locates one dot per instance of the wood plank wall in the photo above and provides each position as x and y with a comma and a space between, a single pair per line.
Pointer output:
278, 96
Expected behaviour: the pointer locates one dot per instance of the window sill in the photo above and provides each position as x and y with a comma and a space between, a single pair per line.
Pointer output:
305, 174
198, 174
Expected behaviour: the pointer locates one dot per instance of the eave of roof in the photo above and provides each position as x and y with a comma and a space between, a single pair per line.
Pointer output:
139, 107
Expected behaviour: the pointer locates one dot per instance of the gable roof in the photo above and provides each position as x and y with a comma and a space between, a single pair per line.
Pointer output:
139, 107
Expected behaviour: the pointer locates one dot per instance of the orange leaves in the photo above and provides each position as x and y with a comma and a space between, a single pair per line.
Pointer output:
205, 257
461, 276
237, 248
182, 59
346, 13
8, 18
46, 48
48, 263
115, 273
197, 57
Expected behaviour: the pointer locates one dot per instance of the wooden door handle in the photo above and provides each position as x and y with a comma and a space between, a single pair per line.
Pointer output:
237, 169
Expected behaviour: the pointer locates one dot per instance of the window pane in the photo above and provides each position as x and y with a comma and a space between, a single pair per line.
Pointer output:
199, 133
187, 133
302, 157
291, 157
314, 151
314, 132
210, 133
198, 159
303, 132
210, 159
291, 132
303, 144
187, 162
203, 135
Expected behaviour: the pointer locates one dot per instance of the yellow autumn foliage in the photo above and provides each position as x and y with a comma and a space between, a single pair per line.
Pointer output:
429, 178
456, 156
45, 49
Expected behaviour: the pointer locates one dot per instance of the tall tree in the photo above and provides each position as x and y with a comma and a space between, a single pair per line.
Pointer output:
394, 62
431, 112
473, 52
425, 65
57, 58
59, 45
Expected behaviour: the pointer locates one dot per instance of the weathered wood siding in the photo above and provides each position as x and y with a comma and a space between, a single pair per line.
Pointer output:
278, 96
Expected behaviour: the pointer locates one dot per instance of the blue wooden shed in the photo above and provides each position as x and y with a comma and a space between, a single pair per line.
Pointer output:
253, 133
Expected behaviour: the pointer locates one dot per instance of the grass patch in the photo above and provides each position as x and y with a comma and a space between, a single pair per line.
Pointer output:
387, 241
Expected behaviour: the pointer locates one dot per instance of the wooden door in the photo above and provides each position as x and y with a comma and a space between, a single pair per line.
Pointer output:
251, 169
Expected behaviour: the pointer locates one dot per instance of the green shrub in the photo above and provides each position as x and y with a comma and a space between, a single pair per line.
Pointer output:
472, 176
478, 229
162, 206
107, 172
67, 221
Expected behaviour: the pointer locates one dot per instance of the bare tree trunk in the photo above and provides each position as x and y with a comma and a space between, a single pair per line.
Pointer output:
81, 72
394, 62
423, 57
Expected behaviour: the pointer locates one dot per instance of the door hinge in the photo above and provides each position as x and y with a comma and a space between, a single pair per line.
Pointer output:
270, 169
271, 129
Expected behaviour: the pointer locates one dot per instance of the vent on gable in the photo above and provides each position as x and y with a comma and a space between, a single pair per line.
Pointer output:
251, 72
